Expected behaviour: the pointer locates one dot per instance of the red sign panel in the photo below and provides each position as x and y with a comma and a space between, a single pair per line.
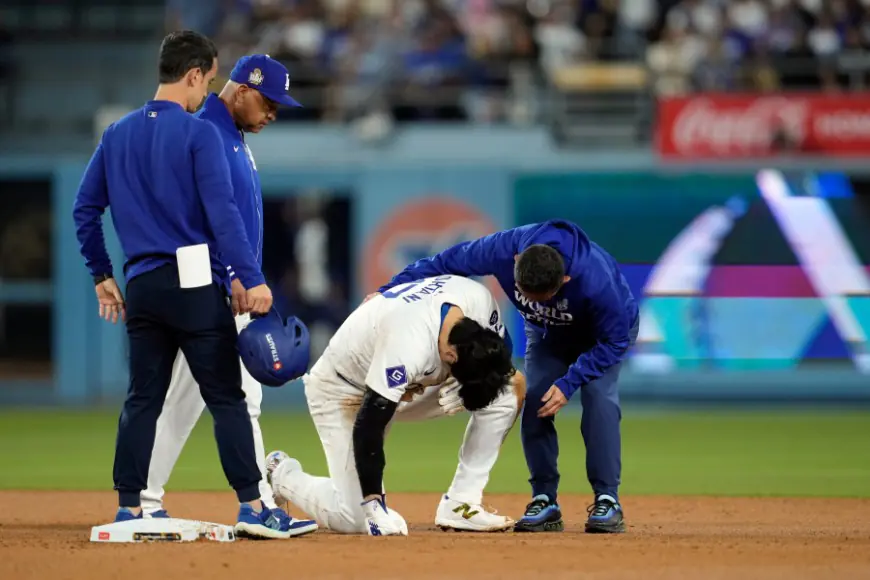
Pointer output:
732, 126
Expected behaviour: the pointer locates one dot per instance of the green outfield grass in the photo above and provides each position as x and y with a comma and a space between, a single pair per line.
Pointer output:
723, 453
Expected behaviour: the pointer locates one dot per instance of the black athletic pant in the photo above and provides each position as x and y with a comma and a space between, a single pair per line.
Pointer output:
161, 318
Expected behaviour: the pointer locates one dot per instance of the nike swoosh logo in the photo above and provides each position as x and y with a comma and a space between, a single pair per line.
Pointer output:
427, 373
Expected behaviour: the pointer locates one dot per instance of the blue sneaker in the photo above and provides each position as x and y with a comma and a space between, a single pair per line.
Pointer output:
273, 524
541, 515
126, 515
605, 516
158, 515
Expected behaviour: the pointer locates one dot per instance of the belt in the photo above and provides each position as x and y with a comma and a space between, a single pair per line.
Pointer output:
347, 380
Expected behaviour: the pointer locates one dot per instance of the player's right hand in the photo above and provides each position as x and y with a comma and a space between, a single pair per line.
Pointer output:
379, 520
259, 299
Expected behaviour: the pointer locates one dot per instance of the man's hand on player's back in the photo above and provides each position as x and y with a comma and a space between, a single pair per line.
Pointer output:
370, 296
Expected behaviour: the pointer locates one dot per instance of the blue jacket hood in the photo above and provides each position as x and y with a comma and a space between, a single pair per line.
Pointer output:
571, 242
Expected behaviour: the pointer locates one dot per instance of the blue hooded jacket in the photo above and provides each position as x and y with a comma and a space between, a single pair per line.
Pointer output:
591, 316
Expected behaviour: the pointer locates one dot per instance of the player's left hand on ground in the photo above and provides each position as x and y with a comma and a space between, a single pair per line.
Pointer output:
553, 400
239, 298
379, 520
448, 397
111, 301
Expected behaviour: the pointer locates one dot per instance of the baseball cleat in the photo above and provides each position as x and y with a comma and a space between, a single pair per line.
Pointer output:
464, 517
156, 515
126, 514
605, 516
272, 461
542, 515
270, 524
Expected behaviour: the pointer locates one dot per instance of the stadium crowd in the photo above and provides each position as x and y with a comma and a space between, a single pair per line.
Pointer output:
458, 59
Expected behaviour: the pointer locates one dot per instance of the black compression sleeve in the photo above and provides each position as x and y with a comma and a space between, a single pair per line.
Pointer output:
368, 441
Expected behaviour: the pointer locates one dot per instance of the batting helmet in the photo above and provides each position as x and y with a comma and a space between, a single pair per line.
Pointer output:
275, 351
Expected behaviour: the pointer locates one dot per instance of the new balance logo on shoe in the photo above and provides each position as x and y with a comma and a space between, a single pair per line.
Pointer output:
467, 512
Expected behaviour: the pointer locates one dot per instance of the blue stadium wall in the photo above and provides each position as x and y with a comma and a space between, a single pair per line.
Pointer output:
429, 187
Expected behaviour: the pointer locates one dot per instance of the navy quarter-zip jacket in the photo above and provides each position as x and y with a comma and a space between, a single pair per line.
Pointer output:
164, 174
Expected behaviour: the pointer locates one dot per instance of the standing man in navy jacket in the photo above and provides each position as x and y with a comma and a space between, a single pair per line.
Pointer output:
248, 103
581, 319
164, 174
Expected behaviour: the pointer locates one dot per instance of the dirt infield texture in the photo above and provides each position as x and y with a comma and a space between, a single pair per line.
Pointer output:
44, 535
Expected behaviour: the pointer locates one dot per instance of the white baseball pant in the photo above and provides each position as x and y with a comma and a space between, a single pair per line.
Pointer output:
334, 501
181, 411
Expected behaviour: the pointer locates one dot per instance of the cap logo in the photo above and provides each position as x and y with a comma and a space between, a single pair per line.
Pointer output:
256, 77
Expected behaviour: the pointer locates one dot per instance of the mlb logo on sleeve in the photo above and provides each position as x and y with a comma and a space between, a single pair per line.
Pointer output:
396, 376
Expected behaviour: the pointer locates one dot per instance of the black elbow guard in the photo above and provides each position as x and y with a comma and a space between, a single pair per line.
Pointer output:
374, 415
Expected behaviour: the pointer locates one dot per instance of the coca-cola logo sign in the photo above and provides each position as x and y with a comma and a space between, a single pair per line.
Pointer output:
714, 126
703, 124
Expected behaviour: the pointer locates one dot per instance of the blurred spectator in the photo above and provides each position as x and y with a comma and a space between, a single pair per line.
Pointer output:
561, 43
748, 17
435, 69
673, 59
716, 69
798, 65
204, 17
499, 40
598, 19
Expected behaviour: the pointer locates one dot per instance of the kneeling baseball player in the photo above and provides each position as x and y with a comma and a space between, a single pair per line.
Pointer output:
422, 350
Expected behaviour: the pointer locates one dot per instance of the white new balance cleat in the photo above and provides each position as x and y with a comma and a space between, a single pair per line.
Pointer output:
287, 464
273, 460
464, 517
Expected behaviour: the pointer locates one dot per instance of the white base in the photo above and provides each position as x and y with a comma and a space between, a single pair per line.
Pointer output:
162, 530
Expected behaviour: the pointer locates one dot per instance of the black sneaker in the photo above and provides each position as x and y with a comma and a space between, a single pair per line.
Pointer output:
605, 517
541, 515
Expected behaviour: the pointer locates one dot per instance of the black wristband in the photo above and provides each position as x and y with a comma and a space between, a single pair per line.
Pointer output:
102, 278
371, 422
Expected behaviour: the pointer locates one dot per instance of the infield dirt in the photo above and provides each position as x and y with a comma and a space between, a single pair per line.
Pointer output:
44, 535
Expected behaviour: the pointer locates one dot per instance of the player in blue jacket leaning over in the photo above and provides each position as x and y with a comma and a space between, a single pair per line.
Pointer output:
580, 320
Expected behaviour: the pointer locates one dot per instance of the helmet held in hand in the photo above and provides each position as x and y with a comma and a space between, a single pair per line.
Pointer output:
275, 351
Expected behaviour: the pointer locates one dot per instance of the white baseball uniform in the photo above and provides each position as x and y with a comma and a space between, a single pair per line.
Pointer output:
181, 411
390, 344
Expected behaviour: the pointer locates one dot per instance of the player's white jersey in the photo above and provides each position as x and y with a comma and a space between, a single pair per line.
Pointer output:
390, 343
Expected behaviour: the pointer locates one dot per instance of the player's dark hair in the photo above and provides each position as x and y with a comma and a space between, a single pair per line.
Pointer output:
483, 364
539, 269
185, 50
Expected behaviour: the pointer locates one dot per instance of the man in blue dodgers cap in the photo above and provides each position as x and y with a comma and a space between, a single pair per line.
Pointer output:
248, 102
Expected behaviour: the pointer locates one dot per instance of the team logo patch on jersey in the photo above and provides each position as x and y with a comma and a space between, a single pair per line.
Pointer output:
396, 376
493, 318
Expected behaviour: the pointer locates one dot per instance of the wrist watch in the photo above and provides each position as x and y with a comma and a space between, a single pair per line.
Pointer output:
102, 278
